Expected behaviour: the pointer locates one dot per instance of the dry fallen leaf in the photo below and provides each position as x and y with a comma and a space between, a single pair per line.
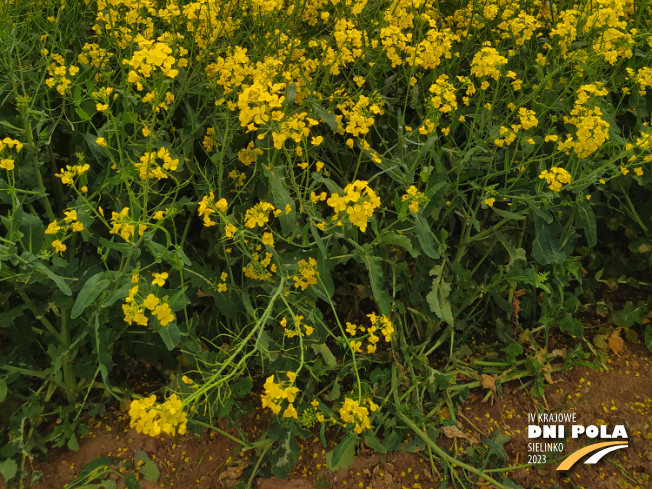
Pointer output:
202, 294
559, 353
233, 472
616, 343
454, 432
489, 382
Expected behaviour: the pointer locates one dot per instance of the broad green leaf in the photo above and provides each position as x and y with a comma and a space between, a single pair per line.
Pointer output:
38, 264
541, 213
648, 336
546, 247
284, 458
8, 469
149, 470
587, 218
424, 235
393, 238
508, 214
3, 389
170, 335
572, 325
326, 354
72, 443
326, 116
376, 281
281, 197
374, 443
515, 254
93, 287
631, 314
343, 454
33, 231
438, 296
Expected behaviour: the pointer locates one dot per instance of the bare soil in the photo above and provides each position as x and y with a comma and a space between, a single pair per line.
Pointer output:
622, 395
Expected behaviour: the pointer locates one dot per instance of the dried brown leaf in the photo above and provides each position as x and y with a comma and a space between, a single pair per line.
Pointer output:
616, 343
454, 432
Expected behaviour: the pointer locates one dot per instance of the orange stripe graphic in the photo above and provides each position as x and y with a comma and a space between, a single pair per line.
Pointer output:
575, 456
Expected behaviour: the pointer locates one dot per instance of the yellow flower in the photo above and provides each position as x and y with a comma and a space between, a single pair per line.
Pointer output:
77, 227
268, 239
101, 107
101, 142
59, 246
317, 141
230, 230
159, 279
351, 328
490, 201
151, 302
638, 171
355, 346
70, 216
624, 170
164, 314
221, 287
7, 164
290, 412
53, 228
291, 376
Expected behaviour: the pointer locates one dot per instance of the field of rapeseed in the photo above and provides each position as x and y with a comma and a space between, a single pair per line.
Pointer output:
313, 205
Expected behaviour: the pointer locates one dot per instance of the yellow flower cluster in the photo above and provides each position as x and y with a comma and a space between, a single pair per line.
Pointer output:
352, 412
360, 115
152, 418
8, 143
306, 274
208, 206
69, 222
443, 95
556, 178
248, 155
298, 322
276, 393
221, 287
414, 197
257, 267
359, 201
592, 131
59, 74
134, 309
148, 58
92, 54
148, 167
124, 225
258, 215
487, 62
68, 175
384, 324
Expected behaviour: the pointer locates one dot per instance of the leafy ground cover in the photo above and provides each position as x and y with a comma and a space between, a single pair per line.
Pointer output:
315, 208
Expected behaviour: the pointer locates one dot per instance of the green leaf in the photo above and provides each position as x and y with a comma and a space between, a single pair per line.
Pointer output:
393, 238
515, 254
424, 235
284, 458
631, 314
33, 231
376, 281
148, 469
170, 335
3, 389
648, 336
343, 454
8, 469
326, 116
508, 214
546, 247
540, 213
93, 287
326, 354
83, 115
572, 325
374, 443
36, 263
438, 296
587, 218
281, 196
72, 443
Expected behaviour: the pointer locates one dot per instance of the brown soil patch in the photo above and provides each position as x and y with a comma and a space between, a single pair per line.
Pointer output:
207, 460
